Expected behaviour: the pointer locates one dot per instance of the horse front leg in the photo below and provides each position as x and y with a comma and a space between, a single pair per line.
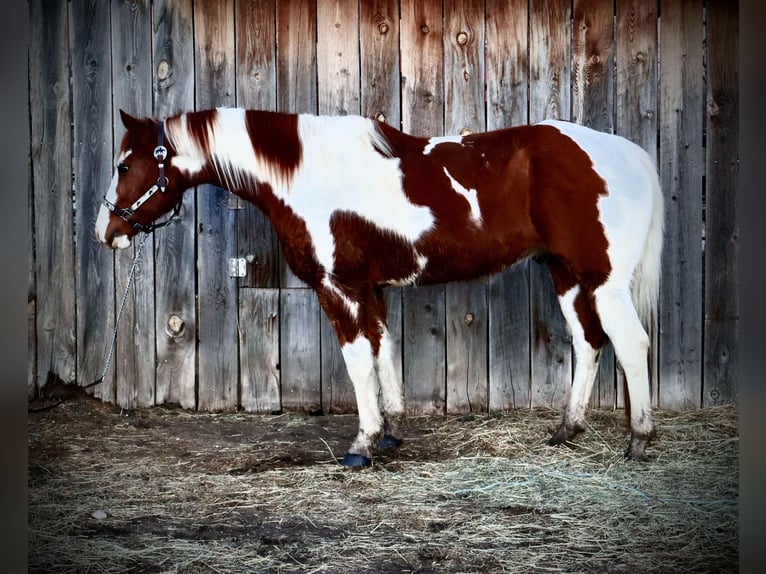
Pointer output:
391, 391
360, 362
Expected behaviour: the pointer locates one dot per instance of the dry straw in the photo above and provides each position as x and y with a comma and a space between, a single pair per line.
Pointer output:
202, 493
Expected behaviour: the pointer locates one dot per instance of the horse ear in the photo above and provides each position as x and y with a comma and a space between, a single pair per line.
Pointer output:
133, 124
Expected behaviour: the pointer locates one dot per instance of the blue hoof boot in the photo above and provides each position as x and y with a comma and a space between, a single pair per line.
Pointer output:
389, 441
356, 460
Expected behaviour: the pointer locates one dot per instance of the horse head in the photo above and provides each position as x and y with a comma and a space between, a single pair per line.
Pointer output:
144, 187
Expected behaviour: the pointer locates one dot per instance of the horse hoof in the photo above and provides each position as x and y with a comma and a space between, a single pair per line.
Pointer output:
356, 460
389, 441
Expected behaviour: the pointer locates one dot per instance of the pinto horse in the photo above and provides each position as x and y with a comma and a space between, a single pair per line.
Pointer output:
358, 205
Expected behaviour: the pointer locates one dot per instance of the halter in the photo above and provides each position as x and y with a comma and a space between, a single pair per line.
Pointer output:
127, 213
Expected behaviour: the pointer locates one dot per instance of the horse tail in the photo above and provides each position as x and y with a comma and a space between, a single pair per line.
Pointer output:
645, 288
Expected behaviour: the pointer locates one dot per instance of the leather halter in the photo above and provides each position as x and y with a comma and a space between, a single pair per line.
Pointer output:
126, 213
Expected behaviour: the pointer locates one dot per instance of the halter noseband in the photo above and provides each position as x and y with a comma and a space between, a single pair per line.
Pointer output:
126, 213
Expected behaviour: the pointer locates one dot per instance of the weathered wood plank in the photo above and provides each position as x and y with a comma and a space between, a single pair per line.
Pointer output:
636, 111
338, 57
92, 95
549, 95
424, 351
338, 72
134, 358
593, 106
296, 76
51, 157
259, 350
300, 356
508, 296
466, 334
31, 294
379, 54
422, 67
175, 263
721, 343
256, 89
466, 302
216, 235
681, 171
424, 357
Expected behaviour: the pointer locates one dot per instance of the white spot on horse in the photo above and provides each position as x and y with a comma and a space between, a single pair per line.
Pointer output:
435, 141
189, 156
342, 171
351, 306
470, 196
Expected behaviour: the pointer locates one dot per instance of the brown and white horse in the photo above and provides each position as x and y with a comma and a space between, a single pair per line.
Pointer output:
358, 205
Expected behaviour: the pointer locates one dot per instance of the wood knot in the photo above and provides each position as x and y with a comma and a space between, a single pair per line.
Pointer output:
380, 116
640, 56
175, 325
468, 319
383, 28
462, 38
163, 70
465, 131
425, 29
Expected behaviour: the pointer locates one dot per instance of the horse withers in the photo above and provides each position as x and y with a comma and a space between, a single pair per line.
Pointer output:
358, 205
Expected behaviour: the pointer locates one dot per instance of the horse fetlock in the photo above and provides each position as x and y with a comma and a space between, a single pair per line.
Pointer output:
637, 447
565, 432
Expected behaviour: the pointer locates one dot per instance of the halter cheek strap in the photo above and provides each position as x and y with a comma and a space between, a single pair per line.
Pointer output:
160, 154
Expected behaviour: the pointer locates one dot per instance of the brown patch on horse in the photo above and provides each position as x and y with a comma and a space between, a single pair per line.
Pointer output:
275, 138
364, 252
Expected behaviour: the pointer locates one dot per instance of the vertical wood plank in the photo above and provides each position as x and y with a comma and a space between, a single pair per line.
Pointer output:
256, 70
51, 156
636, 110
508, 296
338, 57
549, 94
593, 56
31, 295
379, 55
338, 72
296, 76
300, 355
422, 67
681, 171
134, 358
259, 349
92, 95
424, 351
175, 262
721, 348
216, 234
466, 302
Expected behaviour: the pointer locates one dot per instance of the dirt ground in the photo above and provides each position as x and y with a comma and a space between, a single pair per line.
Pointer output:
166, 490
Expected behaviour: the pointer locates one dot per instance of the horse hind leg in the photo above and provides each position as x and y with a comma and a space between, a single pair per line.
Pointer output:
631, 345
587, 339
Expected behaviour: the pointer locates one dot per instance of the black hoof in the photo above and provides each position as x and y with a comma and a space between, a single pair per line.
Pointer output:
356, 460
563, 435
389, 441
637, 448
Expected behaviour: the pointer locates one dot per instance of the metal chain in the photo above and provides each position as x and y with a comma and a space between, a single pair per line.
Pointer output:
144, 237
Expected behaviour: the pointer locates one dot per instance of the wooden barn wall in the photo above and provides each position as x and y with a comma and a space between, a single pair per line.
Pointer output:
663, 74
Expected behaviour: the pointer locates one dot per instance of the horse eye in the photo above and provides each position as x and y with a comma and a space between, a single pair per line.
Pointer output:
122, 168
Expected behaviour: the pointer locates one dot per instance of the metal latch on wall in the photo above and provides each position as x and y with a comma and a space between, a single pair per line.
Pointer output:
237, 267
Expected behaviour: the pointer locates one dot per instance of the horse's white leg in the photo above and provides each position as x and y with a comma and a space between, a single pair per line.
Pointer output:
360, 363
586, 366
631, 345
391, 389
